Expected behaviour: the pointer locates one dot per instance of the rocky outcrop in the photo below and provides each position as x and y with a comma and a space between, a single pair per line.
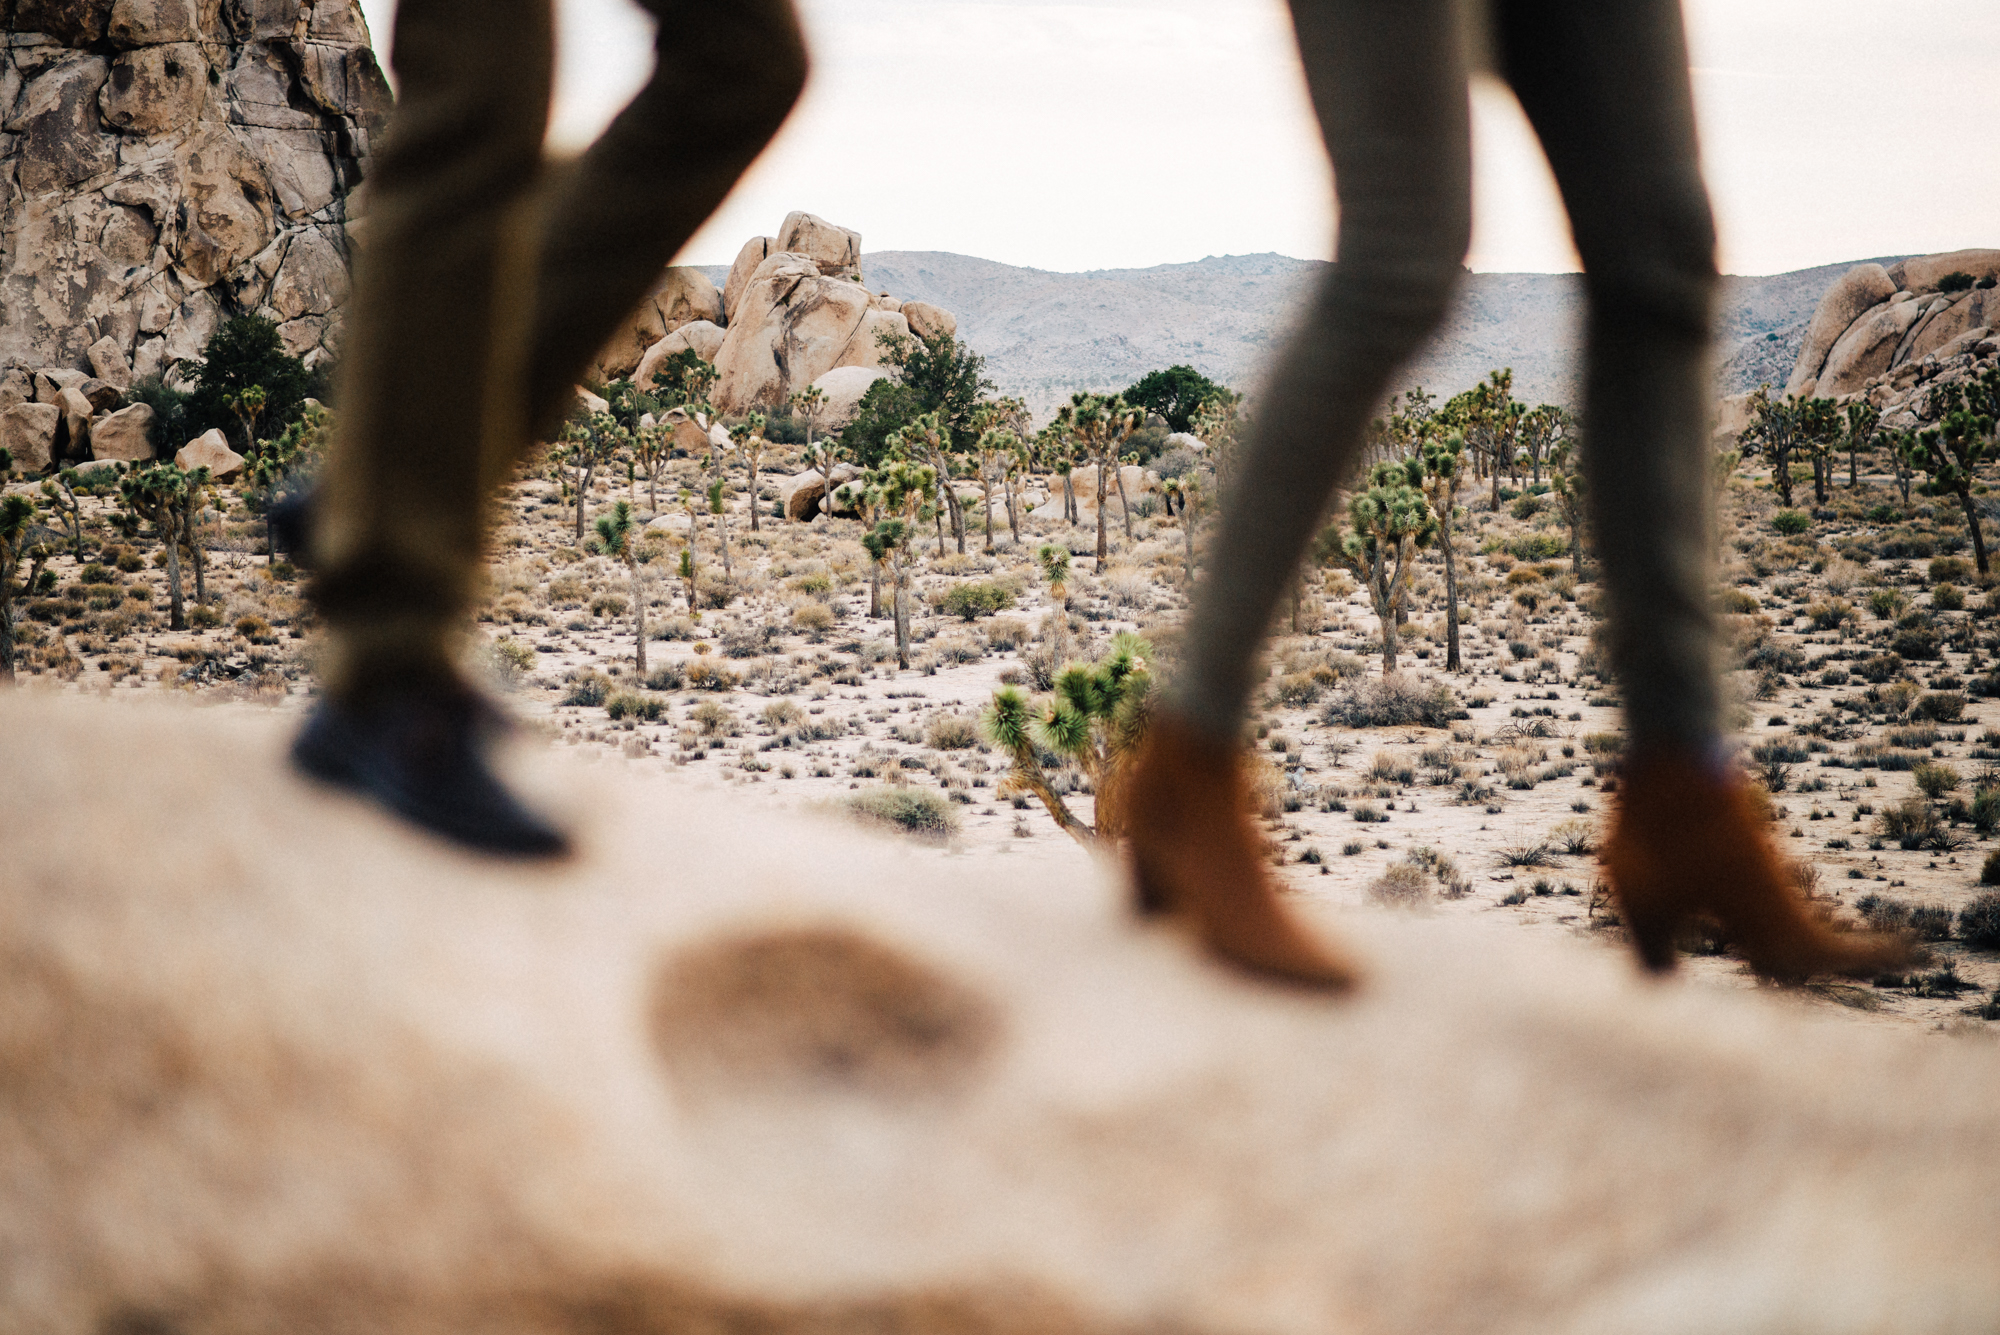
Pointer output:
928, 321
124, 436
1876, 321
790, 325
28, 434
168, 163
800, 495
702, 337
843, 388
287, 1067
684, 296
836, 250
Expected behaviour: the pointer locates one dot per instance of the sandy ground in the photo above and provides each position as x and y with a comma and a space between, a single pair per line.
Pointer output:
844, 684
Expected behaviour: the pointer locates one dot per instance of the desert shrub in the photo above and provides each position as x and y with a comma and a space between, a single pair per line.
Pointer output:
511, 660
1979, 921
1920, 736
1883, 914
1912, 824
1526, 506
749, 641
1604, 743
1399, 699
1934, 779
1930, 922
1791, 523
951, 732
1401, 886
1575, 836
636, 705
1296, 690
587, 689
1007, 633
714, 591
1532, 546
675, 628
1388, 767
1886, 604
1831, 614
975, 599
1958, 280
1940, 706
703, 675
608, 605
782, 714
1948, 598
667, 677
1879, 668
1736, 602
1950, 570
712, 719
812, 618
1918, 643
920, 811
1527, 855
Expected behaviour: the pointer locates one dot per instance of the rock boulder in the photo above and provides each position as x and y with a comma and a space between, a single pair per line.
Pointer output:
28, 433
1921, 273
684, 296
1867, 348
1859, 289
755, 251
928, 321
836, 250
844, 387
791, 325
703, 337
125, 435
211, 450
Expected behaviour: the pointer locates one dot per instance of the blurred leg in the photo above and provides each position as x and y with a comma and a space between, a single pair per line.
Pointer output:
1388, 84
1605, 83
430, 382
725, 77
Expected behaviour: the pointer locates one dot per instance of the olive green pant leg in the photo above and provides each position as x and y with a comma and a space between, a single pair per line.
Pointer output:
1388, 83
431, 381
1607, 88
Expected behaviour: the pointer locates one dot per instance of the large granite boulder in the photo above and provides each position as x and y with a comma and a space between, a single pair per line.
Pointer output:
836, 250
928, 321
843, 388
177, 163
293, 1067
28, 434
1867, 348
124, 436
754, 252
211, 450
1859, 289
685, 295
792, 325
702, 337
1922, 273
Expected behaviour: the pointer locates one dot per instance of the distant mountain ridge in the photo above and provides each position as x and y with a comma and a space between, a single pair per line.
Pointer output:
1046, 335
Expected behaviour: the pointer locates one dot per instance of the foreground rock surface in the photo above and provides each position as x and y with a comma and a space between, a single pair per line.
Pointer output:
314, 1072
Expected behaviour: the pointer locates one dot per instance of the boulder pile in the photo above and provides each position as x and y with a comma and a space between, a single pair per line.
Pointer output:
166, 164
293, 1067
793, 312
1889, 335
59, 415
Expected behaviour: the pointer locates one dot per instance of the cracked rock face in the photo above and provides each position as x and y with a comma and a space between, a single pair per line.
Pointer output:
165, 164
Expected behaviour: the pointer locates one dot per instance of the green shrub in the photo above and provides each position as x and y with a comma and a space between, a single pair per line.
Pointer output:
1396, 700
633, 704
1913, 825
975, 599
1917, 642
919, 811
1791, 522
1940, 706
1737, 602
1989, 872
951, 732
1880, 668
1950, 570
1934, 779
588, 690
1885, 603
1947, 598
1830, 614
1958, 280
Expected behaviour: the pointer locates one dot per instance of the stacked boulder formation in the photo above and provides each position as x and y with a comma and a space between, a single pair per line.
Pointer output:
166, 164
1890, 335
793, 312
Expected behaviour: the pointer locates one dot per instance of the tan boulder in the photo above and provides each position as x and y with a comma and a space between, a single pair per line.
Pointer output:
798, 495
101, 395
51, 381
790, 326
311, 280
864, 346
56, 116
1967, 311
229, 215
1866, 348
755, 251
695, 435
702, 337
836, 250
155, 90
1184, 440
843, 388
107, 358
884, 302
76, 415
1732, 419
124, 435
152, 22
674, 523
1860, 289
1922, 273
928, 321
28, 434
683, 296
17, 385
211, 450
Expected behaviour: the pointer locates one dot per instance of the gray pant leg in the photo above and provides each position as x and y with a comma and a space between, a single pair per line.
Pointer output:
1605, 83
1388, 84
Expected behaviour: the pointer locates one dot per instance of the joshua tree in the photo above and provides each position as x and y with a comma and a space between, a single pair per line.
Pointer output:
60, 492
1100, 424
248, 405
683, 381
1567, 484
1491, 421
168, 496
18, 544
1905, 453
1389, 522
1961, 441
1782, 427
284, 466
1183, 496
1863, 425
748, 438
997, 445
1054, 561
900, 490
618, 538
583, 448
882, 542
810, 404
1095, 718
719, 507
1440, 458
650, 447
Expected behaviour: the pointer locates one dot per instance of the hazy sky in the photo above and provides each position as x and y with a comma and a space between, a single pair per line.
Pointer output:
1123, 133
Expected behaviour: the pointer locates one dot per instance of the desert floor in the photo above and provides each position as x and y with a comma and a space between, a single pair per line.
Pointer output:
805, 706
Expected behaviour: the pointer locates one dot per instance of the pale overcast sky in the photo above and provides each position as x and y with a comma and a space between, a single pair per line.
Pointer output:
1124, 133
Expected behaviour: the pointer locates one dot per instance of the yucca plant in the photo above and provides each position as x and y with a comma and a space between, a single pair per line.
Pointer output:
20, 543
168, 497
1094, 718
1959, 443
1387, 524
1054, 561
618, 537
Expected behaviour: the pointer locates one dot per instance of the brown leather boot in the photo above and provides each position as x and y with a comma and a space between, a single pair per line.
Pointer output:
1688, 840
1195, 856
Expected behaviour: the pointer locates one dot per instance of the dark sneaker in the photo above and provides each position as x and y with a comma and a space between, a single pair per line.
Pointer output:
422, 754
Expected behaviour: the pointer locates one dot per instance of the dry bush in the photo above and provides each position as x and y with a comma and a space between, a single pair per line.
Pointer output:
812, 618
1398, 700
951, 732
1402, 885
